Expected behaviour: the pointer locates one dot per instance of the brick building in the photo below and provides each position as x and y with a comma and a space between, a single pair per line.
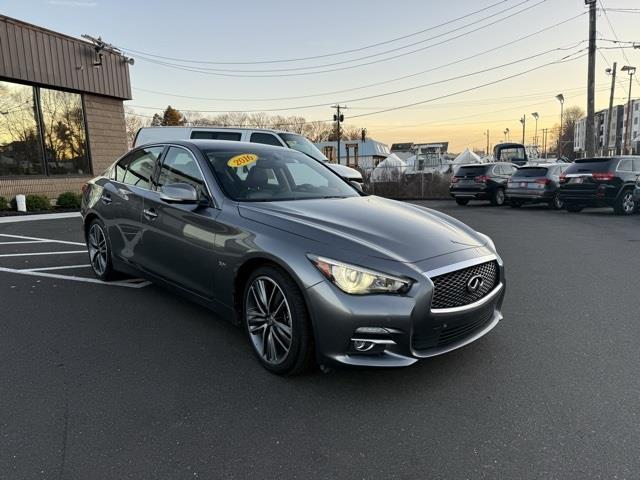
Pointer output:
61, 110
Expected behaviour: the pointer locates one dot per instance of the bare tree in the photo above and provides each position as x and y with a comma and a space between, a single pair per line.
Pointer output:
133, 123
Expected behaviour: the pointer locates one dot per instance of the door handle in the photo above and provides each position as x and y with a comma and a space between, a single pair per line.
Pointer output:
106, 199
150, 214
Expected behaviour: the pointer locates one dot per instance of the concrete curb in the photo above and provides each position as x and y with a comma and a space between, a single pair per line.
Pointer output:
44, 216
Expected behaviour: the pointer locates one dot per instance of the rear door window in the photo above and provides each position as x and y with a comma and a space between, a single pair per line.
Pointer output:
625, 165
265, 138
636, 165
137, 168
213, 135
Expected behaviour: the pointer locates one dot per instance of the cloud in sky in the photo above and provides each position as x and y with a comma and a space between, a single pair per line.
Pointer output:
72, 3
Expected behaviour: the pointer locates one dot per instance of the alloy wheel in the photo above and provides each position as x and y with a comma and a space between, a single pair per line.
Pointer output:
268, 320
98, 249
628, 203
500, 197
557, 203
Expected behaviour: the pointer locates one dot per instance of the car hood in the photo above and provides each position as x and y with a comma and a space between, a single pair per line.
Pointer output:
368, 225
345, 172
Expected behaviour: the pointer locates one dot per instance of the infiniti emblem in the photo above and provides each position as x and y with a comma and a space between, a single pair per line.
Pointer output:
475, 283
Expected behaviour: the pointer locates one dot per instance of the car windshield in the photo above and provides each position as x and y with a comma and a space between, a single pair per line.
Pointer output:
301, 144
269, 176
511, 153
530, 172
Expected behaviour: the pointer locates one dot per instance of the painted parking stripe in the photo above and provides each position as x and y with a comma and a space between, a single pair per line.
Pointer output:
23, 242
46, 269
51, 240
45, 216
127, 284
40, 253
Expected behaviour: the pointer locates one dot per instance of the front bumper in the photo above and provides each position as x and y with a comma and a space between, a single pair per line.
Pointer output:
405, 327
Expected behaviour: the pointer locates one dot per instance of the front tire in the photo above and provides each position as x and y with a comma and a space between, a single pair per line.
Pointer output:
625, 204
462, 201
99, 249
277, 322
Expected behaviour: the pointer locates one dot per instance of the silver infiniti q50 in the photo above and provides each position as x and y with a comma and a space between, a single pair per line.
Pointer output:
314, 270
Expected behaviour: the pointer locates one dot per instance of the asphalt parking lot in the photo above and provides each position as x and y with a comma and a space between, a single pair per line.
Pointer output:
128, 381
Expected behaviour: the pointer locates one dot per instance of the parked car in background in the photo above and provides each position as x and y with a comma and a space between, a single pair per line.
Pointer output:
536, 184
277, 138
487, 181
601, 182
309, 266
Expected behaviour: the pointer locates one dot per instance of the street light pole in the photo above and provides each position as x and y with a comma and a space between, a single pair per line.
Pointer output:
560, 98
523, 121
590, 137
535, 137
612, 72
627, 138
338, 118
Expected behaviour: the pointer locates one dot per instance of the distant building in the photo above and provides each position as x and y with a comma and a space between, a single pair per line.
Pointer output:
355, 153
615, 144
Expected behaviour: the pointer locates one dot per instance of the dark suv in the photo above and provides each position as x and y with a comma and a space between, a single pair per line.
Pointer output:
487, 181
536, 184
600, 182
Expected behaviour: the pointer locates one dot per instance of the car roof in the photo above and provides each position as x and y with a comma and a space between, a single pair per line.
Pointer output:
221, 145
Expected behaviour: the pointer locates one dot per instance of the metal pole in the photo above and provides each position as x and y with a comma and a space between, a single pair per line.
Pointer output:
591, 81
560, 132
627, 140
523, 120
605, 144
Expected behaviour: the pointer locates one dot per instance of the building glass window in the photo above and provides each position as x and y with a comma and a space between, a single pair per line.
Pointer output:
65, 136
20, 143
42, 132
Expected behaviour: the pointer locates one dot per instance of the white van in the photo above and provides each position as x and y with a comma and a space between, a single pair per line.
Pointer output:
278, 138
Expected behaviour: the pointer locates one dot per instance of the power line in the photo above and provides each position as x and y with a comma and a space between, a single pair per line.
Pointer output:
206, 71
565, 59
624, 54
369, 97
384, 82
343, 52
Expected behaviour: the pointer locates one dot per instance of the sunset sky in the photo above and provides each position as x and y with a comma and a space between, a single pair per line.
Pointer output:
259, 31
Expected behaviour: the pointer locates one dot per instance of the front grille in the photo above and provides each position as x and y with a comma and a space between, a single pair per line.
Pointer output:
450, 289
452, 330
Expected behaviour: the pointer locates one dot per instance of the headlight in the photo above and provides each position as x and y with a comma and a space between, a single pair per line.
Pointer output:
357, 280
487, 238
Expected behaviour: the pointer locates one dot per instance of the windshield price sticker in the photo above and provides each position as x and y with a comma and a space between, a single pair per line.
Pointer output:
242, 160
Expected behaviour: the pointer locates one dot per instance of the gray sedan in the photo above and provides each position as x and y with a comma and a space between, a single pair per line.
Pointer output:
314, 270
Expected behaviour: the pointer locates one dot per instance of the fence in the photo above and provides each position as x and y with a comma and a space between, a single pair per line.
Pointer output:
392, 182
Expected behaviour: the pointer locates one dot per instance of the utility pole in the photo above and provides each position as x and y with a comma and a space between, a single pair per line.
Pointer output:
338, 118
591, 81
536, 115
627, 138
605, 144
560, 98
488, 141
544, 141
523, 121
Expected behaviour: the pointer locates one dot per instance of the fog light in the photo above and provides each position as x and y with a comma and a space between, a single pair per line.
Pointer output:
363, 345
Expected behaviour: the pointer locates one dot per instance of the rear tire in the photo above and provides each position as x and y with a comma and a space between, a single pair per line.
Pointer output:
556, 203
99, 249
462, 201
573, 208
498, 197
625, 203
277, 322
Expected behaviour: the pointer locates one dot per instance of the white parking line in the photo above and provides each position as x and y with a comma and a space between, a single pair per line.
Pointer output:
24, 241
22, 237
32, 218
40, 253
127, 284
45, 269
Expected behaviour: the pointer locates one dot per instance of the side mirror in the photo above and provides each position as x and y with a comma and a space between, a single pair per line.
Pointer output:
178, 193
356, 185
